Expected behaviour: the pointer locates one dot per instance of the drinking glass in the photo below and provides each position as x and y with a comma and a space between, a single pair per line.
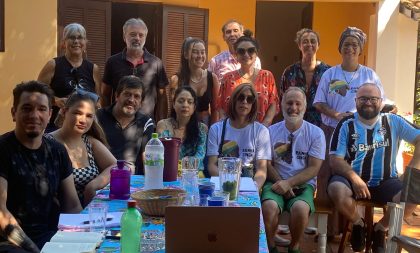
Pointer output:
230, 175
97, 217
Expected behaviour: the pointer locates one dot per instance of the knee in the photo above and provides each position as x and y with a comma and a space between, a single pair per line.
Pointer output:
300, 211
337, 191
270, 208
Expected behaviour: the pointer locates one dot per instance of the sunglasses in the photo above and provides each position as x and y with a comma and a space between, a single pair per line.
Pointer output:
248, 99
250, 51
84, 93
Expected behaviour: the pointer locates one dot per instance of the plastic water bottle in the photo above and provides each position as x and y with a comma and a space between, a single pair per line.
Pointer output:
131, 222
120, 181
153, 165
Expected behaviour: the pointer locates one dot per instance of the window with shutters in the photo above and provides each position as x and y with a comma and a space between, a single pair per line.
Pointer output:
2, 26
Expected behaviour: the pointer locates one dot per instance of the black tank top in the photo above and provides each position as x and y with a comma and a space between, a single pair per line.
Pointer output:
204, 101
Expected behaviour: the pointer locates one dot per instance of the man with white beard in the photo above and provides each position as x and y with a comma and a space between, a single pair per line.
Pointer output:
298, 149
136, 60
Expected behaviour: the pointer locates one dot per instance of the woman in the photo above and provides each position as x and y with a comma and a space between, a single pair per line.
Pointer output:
203, 82
86, 144
306, 73
184, 124
240, 136
64, 73
246, 49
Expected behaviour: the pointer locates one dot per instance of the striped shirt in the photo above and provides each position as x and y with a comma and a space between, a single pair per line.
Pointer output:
372, 150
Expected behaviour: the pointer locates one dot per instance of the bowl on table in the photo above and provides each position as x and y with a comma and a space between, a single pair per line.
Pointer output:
153, 202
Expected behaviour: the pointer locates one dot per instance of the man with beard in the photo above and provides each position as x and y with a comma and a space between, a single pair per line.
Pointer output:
36, 180
363, 153
298, 149
225, 61
126, 128
136, 60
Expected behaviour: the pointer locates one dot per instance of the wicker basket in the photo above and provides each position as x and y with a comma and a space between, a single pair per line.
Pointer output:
153, 202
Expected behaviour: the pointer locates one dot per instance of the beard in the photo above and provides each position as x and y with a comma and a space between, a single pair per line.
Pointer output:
368, 114
32, 135
293, 119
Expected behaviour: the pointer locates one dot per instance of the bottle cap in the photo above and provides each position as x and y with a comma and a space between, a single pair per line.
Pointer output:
131, 203
154, 135
120, 164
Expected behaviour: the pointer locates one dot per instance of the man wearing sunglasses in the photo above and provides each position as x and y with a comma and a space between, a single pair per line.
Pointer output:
298, 149
363, 154
136, 60
225, 61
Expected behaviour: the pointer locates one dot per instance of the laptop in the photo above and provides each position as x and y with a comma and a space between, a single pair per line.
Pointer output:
212, 229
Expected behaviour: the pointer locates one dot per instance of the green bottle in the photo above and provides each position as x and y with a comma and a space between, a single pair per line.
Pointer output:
131, 222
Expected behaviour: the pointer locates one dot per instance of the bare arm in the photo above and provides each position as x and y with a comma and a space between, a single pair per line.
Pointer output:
272, 174
173, 85
340, 167
163, 98
327, 110
213, 105
269, 115
415, 162
10, 228
106, 92
45, 76
97, 79
261, 173
70, 202
212, 166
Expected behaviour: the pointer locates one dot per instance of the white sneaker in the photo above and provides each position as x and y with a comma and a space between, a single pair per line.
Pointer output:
280, 241
311, 230
283, 229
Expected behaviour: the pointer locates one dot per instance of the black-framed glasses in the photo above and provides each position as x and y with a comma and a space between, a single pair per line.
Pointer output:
248, 99
288, 157
373, 100
74, 38
249, 50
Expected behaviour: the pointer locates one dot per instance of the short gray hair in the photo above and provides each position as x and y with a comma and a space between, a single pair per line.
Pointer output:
134, 21
73, 28
290, 89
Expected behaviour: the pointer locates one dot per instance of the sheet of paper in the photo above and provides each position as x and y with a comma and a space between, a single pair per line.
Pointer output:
62, 247
81, 221
78, 237
246, 185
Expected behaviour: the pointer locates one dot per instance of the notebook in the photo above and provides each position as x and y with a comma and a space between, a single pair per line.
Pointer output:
212, 229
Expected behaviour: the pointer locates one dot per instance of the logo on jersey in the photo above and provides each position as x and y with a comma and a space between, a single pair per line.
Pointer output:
382, 131
366, 147
355, 136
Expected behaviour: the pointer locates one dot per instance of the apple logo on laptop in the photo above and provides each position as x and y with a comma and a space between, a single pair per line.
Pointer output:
212, 237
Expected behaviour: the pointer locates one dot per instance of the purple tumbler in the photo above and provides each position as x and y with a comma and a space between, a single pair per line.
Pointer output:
120, 181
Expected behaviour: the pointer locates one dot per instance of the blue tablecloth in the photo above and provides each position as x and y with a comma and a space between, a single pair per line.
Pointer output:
158, 223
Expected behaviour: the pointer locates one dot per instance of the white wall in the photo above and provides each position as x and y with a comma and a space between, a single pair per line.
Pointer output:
396, 54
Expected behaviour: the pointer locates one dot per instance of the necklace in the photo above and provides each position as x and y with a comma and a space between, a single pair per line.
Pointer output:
352, 76
250, 78
199, 80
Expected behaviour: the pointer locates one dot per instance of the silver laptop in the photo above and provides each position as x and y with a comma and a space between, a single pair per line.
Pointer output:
212, 229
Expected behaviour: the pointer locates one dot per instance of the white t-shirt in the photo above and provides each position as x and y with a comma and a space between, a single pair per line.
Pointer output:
308, 140
249, 143
338, 88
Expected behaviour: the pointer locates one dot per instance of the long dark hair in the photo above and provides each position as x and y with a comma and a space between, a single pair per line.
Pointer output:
192, 132
95, 130
184, 72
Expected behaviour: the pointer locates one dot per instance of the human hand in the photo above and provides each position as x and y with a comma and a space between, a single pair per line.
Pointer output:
281, 187
340, 116
60, 102
289, 194
360, 188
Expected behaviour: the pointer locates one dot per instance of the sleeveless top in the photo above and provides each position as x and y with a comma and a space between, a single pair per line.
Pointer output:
82, 176
204, 101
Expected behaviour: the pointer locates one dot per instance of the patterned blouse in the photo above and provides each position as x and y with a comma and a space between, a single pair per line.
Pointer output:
294, 75
199, 152
264, 84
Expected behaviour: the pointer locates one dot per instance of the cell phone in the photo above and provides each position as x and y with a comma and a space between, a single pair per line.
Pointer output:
113, 234
298, 191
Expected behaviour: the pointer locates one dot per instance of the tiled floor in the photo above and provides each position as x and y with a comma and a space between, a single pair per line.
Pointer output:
309, 245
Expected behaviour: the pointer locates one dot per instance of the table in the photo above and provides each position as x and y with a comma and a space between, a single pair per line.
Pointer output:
158, 223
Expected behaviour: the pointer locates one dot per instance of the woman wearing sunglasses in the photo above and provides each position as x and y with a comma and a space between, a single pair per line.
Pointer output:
203, 82
305, 73
184, 124
66, 73
239, 135
86, 145
246, 51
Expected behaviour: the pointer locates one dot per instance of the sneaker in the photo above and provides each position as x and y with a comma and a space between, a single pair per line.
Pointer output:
280, 241
358, 237
310, 230
283, 229
378, 239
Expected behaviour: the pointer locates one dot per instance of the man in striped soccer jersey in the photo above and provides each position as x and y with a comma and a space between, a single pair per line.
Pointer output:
363, 154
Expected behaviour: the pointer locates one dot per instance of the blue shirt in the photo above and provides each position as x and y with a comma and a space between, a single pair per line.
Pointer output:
372, 150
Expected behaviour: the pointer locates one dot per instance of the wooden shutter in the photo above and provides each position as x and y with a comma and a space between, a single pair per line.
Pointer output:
2, 26
177, 24
95, 16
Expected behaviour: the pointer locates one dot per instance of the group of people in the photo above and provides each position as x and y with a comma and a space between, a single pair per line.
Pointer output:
71, 128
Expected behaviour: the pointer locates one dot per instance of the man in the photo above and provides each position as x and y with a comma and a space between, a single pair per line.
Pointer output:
36, 180
136, 60
126, 128
298, 149
225, 62
363, 154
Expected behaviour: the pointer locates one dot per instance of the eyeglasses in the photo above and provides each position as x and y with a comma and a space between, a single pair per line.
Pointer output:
74, 38
373, 100
352, 45
82, 92
250, 51
248, 99
288, 157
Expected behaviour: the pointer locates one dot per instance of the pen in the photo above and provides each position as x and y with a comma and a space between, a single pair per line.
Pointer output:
87, 222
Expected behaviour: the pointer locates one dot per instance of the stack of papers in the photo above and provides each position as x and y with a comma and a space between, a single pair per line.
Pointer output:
73, 242
246, 184
80, 222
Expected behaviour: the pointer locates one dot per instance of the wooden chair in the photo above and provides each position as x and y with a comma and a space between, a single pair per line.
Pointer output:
369, 212
410, 193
